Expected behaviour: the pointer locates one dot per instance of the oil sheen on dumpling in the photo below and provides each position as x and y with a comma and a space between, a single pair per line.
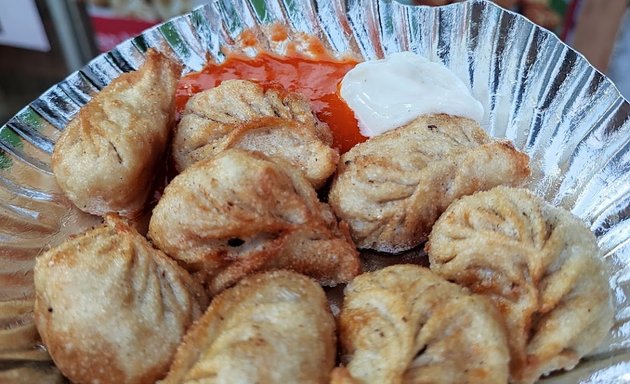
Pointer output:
241, 114
106, 158
274, 327
241, 212
404, 324
392, 188
538, 264
112, 309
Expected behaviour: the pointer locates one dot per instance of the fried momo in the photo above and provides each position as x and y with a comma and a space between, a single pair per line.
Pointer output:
112, 309
392, 188
106, 157
538, 264
241, 114
242, 212
404, 324
274, 327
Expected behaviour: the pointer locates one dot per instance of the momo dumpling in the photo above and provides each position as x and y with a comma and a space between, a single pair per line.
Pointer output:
241, 114
106, 158
242, 212
112, 309
540, 267
274, 327
404, 324
391, 188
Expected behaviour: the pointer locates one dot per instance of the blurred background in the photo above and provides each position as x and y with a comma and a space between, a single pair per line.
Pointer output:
42, 41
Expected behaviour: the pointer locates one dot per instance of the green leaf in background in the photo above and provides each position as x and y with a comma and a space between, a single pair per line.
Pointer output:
31, 118
10, 139
5, 161
261, 9
174, 38
560, 6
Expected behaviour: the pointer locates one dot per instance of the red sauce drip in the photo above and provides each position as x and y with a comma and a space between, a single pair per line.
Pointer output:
317, 80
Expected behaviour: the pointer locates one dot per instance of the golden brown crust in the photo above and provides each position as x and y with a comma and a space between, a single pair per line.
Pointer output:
538, 264
404, 324
241, 114
106, 157
241, 212
392, 188
111, 308
273, 327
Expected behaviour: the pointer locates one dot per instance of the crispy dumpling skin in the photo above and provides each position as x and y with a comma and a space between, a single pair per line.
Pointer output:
105, 159
242, 212
405, 324
241, 114
273, 327
111, 308
391, 188
538, 264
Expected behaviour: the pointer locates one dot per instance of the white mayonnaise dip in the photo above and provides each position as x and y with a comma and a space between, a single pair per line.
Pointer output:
389, 93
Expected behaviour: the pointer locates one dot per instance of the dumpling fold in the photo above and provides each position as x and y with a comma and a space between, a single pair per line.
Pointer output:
391, 188
107, 157
273, 327
240, 212
111, 308
405, 324
538, 264
241, 114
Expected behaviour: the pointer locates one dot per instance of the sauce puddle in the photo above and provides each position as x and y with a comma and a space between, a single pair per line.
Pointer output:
317, 80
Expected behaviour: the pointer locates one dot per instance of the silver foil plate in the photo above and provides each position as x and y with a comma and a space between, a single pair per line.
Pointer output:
537, 92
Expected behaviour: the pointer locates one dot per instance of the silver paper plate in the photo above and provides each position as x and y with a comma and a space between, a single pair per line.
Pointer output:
537, 92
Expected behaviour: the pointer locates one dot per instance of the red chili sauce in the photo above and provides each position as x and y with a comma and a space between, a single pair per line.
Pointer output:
317, 80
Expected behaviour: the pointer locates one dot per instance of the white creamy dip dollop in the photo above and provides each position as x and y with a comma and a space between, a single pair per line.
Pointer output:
389, 93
